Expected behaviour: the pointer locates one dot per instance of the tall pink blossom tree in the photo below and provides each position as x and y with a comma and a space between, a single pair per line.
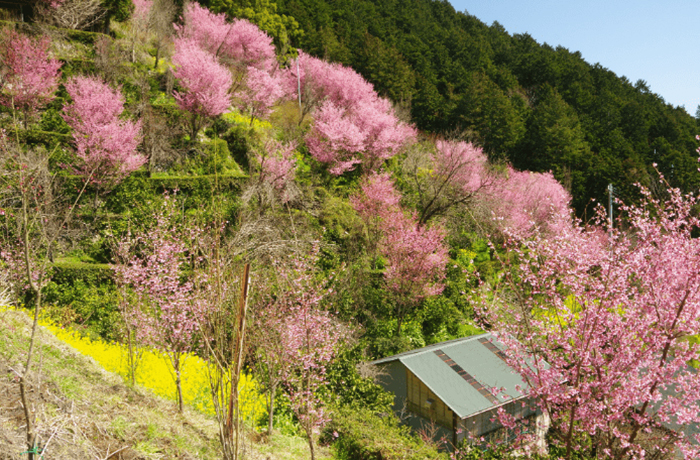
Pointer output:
105, 142
368, 133
415, 254
306, 339
169, 313
28, 76
446, 175
205, 84
598, 326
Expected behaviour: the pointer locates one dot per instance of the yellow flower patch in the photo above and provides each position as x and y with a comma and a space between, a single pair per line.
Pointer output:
155, 372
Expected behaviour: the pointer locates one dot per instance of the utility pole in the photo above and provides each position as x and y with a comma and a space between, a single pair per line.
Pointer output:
611, 190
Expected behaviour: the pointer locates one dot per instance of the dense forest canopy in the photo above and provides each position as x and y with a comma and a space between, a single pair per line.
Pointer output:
541, 107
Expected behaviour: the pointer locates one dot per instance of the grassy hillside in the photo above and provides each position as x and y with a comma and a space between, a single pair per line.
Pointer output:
84, 411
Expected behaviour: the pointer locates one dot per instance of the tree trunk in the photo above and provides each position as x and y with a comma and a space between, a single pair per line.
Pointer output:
399, 321
23, 383
155, 66
132, 361
310, 435
178, 382
271, 410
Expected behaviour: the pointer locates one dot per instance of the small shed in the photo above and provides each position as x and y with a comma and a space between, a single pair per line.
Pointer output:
449, 388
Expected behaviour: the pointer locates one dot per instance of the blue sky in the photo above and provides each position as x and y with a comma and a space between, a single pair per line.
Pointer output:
656, 41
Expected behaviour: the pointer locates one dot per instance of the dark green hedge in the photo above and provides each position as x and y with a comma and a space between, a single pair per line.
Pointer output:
225, 182
68, 272
46, 138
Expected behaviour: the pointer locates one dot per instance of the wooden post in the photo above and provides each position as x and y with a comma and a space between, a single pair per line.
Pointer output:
237, 361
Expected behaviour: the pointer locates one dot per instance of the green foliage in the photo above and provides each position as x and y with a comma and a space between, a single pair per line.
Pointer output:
78, 66
352, 389
238, 145
52, 121
48, 139
361, 434
119, 10
69, 270
82, 294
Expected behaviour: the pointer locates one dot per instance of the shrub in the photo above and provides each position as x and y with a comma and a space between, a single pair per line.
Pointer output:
360, 434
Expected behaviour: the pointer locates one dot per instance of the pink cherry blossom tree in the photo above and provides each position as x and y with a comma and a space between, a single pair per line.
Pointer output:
352, 124
526, 201
205, 84
261, 92
415, 254
598, 326
105, 142
28, 76
277, 171
169, 313
445, 175
310, 337
368, 133
239, 43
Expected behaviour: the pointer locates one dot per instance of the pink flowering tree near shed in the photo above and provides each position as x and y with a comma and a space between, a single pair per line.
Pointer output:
604, 322
105, 142
415, 254
301, 341
28, 76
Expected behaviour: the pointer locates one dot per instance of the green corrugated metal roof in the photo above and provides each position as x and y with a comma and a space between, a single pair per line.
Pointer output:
474, 357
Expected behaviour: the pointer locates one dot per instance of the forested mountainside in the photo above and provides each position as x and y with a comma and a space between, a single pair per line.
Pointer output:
541, 106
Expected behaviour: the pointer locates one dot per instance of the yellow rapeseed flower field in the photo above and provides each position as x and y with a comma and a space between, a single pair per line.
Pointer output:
155, 372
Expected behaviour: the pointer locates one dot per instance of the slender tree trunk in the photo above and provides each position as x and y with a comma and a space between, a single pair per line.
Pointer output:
178, 382
132, 363
23, 378
155, 66
271, 409
399, 322
311, 445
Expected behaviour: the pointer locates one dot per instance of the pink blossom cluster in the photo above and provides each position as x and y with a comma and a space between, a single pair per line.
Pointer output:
239, 42
307, 338
204, 81
277, 167
142, 8
169, 312
464, 164
30, 77
105, 142
415, 255
352, 124
262, 91
526, 201
216, 58
598, 327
